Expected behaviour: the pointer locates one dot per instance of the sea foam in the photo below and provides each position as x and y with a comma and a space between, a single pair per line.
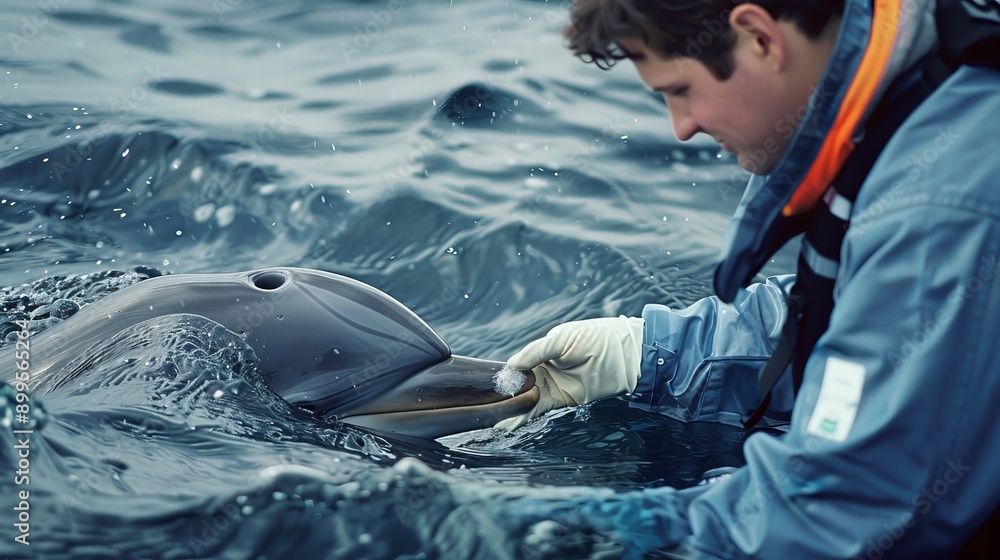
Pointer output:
508, 381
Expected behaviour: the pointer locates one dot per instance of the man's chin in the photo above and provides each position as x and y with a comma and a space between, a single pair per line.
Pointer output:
752, 164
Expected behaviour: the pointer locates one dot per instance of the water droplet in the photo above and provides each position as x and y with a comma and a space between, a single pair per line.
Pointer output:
204, 212
225, 215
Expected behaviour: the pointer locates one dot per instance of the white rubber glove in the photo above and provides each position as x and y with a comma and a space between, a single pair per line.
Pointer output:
580, 362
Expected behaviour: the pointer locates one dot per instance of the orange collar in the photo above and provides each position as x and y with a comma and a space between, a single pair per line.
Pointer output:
838, 144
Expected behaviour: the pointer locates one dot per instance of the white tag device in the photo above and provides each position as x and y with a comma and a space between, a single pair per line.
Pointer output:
839, 396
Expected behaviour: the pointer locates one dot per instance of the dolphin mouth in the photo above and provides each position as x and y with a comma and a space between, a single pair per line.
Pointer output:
456, 395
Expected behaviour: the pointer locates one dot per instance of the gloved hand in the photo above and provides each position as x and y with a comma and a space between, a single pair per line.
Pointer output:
580, 362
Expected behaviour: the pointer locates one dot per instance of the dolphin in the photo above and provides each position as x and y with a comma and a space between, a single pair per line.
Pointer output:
325, 342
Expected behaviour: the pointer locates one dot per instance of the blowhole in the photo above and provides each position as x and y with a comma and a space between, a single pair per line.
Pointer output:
269, 280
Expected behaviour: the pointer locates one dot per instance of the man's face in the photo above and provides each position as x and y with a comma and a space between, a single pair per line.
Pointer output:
753, 113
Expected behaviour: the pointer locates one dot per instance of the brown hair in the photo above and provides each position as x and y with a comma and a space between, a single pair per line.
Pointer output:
696, 29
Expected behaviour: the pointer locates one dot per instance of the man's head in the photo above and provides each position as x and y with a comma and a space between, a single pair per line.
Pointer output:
742, 72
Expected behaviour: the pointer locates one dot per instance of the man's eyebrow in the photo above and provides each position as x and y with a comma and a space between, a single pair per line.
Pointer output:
667, 88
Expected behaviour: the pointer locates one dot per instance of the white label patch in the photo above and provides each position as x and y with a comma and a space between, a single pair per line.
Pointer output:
838, 400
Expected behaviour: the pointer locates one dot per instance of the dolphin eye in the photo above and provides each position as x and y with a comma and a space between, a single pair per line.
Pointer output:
270, 280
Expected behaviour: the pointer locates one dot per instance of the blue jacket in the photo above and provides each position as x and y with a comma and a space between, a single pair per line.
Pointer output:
891, 448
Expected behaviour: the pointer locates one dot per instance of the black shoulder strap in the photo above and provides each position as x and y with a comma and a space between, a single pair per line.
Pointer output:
969, 32
783, 353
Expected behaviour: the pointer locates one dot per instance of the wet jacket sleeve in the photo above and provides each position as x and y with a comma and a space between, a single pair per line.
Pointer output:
702, 362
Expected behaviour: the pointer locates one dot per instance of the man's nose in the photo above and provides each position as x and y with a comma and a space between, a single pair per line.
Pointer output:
684, 125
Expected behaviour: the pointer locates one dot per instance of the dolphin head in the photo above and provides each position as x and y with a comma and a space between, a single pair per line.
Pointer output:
324, 342
348, 351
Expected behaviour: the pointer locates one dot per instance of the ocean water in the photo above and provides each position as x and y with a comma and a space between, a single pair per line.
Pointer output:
452, 154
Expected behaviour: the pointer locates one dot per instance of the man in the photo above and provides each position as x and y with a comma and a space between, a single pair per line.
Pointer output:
851, 119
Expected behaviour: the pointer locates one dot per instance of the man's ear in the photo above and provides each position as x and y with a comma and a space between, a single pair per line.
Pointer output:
766, 39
